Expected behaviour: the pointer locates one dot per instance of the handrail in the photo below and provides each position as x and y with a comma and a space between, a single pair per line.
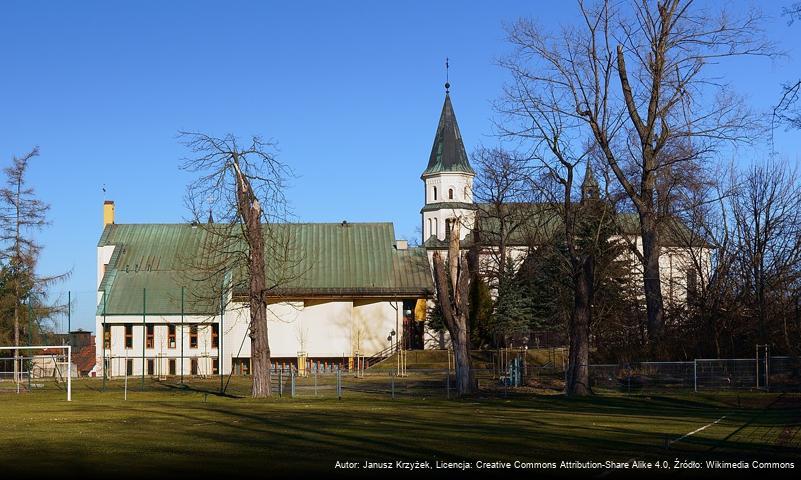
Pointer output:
383, 354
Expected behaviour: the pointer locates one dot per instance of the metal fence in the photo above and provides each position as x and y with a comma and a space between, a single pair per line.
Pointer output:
770, 374
334, 381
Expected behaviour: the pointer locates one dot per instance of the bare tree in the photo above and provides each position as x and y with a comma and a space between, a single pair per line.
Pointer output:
453, 287
632, 76
22, 214
767, 228
243, 188
793, 12
788, 110
503, 201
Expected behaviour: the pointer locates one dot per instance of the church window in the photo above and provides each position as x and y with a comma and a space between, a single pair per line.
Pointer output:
128, 335
436, 229
450, 194
430, 231
150, 336
448, 227
435, 193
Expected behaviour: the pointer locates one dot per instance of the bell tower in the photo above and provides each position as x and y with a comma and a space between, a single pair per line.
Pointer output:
448, 180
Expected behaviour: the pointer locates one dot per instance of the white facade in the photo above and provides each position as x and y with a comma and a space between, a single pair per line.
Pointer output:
324, 330
445, 189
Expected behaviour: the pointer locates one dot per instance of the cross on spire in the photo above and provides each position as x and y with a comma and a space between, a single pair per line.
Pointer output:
447, 80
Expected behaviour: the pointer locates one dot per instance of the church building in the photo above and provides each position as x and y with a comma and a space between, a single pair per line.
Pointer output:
358, 291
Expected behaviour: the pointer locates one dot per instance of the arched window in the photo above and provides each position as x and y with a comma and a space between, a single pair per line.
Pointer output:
450, 194
430, 231
435, 193
448, 222
436, 228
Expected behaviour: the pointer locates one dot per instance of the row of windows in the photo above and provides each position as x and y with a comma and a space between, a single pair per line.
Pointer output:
150, 367
450, 193
433, 226
171, 336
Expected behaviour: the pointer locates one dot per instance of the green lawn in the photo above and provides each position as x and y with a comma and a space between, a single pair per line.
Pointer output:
168, 430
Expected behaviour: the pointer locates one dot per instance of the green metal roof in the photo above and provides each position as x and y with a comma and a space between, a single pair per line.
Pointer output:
448, 153
324, 259
432, 207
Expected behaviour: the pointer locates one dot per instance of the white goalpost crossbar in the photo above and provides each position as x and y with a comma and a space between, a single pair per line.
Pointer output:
68, 348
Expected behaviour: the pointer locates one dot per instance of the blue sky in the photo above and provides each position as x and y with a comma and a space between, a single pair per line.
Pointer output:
351, 91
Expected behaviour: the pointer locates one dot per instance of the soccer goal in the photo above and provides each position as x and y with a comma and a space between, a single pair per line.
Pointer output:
34, 367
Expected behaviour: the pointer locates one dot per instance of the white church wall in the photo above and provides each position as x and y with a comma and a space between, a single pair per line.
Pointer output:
117, 354
321, 328
674, 264
434, 222
460, 183
103, 257
373, 321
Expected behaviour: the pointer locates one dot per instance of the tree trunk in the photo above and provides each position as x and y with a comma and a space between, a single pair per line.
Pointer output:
455, 311
651, 280
465, 379
259, 345
250, 210
578, 376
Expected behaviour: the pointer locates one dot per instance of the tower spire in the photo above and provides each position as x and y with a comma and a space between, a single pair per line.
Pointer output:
448, 153
589, 187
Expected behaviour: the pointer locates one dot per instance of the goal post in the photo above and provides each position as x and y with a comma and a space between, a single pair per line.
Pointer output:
35, 352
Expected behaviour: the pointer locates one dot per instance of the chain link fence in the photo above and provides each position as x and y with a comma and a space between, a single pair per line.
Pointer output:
46, 373
711, 374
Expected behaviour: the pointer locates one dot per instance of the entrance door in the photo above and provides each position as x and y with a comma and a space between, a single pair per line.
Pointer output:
413, 329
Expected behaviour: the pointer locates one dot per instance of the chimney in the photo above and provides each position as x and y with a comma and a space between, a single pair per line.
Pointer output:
108, 212
401, 245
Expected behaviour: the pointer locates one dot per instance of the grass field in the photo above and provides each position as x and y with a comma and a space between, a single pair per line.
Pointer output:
186, 432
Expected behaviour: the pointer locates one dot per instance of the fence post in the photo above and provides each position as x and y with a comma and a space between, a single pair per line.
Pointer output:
105, 373
756, 364
69, 315
182, 335
339, 383
280, 382
695, 375
220, 343
30, 342
292, 372
144, 333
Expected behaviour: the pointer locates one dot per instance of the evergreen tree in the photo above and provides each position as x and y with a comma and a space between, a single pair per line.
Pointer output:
480, 316
22, 294
513, 308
